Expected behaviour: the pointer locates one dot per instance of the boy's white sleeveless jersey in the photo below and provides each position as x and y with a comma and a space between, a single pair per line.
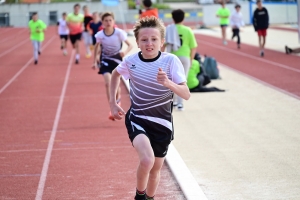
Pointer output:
62, 27
151, 101
111, 44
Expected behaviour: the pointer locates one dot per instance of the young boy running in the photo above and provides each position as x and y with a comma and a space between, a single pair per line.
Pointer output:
87, 38
110, 39
186, 51
154, 77
63, 32
94, 26
37, 28
75, 21
236, 21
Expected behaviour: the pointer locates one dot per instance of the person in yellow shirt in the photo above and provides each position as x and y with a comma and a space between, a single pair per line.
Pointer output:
223, 13
36, 29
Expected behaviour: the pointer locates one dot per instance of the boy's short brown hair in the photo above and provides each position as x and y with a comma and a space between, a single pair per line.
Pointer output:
106, 14
149, 22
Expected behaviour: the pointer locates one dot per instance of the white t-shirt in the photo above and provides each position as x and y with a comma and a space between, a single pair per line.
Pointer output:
150, 100
111, 44
62, 27
236, 20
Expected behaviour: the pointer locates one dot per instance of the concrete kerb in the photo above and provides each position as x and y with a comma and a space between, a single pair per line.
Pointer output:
185, 179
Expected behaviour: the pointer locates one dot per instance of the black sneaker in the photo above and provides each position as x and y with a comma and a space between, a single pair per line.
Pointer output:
76, 61
35, 62
61, 47
288, 50
262, 54
140, 196
180, 107
39, 52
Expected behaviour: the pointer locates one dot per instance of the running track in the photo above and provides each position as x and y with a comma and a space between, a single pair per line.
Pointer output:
55, 139
61, 108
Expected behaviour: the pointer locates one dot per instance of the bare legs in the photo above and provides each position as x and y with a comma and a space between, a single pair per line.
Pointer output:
148, 172
262, 42
223, 29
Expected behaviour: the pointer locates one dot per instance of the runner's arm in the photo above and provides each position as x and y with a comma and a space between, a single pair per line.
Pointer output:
129, 48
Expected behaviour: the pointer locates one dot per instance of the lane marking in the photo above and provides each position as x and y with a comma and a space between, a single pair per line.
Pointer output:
13, 48
24, 67
249, 56
8, 38
40, 189
182, 174
260, 81
67, 149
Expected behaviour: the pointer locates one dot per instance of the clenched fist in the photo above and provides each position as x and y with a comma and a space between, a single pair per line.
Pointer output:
162, 78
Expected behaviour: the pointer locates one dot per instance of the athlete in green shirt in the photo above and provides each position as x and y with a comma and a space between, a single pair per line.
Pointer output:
187, 49
223, 13
36, 28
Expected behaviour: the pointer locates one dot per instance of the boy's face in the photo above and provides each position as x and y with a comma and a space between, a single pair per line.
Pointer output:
64, 16
96, 17
149, 41
238, 9
108, 22
76, 9
34, 17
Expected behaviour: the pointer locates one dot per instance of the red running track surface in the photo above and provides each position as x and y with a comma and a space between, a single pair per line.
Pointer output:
92, 157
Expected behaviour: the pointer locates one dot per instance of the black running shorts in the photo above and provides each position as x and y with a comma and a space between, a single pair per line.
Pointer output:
108, 65
160, 149
64, 37
75, 37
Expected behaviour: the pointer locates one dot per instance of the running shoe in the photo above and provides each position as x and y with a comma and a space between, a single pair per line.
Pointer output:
39, 52
76, 61
180, 107
88, 55
288, 50
65, 52
262, 53
35, 62
225, 42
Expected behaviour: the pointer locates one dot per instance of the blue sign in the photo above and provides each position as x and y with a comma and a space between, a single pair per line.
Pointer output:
110, 2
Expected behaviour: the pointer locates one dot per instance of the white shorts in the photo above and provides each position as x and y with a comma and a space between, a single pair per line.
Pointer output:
87, 38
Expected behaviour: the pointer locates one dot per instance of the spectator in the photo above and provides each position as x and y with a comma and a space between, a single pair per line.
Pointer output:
261, 24
289, 50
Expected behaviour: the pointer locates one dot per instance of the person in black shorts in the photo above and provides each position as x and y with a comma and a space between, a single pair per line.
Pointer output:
154, 77
75, 24
63, 31
110, 40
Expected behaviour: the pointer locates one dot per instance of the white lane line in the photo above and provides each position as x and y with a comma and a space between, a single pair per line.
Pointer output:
13, 48
40, 189
249, 56
260, 81
24, 67
185, 179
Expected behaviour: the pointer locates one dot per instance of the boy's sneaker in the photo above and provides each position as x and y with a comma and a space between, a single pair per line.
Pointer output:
225, 42
76, 61
180, 107
175, 104
88, 55
262, 53
35, 62
39, 52
140, 196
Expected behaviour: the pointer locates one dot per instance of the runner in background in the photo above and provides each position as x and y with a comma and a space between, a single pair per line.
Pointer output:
149, 11
75, 22
110, 40
37, 28
87, 38
223, 13
94, 26
236, 21
63, 32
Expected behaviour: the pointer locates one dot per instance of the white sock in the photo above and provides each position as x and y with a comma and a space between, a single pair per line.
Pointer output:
77, 56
